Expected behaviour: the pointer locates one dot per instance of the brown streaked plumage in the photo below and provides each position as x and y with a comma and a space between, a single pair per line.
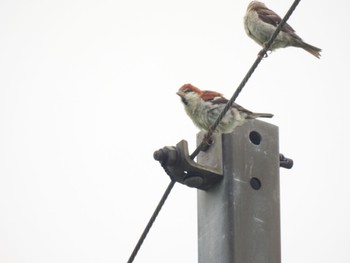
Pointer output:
261, 22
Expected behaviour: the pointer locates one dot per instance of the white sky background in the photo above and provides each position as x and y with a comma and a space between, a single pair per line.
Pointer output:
87, 94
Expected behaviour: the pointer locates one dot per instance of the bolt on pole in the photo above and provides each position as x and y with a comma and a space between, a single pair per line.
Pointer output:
239, 217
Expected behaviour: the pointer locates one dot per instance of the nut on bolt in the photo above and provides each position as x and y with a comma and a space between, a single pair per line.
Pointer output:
167, 155
159, 155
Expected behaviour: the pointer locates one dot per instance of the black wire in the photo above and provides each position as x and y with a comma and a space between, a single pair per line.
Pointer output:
151, 221
228, 105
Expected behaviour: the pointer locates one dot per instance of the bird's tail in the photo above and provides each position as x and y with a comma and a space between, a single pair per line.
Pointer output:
260, 115
311, 49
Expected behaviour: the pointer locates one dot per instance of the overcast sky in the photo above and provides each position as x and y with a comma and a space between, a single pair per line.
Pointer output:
87, 94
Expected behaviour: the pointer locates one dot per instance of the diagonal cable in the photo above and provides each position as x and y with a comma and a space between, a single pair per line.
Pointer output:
151, 221
228, 105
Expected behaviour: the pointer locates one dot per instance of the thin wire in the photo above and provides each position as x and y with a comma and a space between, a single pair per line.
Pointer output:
151, 221
228, 105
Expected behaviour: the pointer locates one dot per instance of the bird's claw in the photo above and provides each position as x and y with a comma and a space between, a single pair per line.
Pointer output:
207, 142
263, 52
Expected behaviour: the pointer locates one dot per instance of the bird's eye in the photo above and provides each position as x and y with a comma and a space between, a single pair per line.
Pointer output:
187, 90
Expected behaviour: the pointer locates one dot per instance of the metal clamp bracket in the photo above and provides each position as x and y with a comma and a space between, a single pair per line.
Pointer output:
180, 167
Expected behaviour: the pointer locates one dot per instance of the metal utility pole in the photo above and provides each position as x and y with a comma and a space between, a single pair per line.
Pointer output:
239, 218
239, 196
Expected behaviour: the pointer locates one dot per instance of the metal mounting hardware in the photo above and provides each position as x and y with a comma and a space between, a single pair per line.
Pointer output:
285, 162
181, 168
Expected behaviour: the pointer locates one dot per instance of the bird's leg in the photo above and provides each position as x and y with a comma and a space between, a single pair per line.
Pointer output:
263, 52
207, 142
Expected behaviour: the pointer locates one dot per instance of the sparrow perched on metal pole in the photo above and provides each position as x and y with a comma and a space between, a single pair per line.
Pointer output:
204, 107
260, 23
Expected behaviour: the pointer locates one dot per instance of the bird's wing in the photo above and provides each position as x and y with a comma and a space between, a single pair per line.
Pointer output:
270, 17
240, 108
215, 97
219, 100
222, 100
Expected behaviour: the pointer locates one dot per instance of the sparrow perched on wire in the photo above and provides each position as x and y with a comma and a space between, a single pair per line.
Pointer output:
204, 107
260, 23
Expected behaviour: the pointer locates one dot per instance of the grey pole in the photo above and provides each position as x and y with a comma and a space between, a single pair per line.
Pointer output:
239, 218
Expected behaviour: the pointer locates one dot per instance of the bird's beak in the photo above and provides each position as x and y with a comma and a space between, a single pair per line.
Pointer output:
182, 96
180, 93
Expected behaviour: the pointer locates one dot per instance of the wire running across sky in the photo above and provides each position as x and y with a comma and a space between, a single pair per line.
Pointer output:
262, 54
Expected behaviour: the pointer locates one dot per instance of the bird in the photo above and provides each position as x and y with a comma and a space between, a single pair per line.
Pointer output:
260, 23
204, 107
